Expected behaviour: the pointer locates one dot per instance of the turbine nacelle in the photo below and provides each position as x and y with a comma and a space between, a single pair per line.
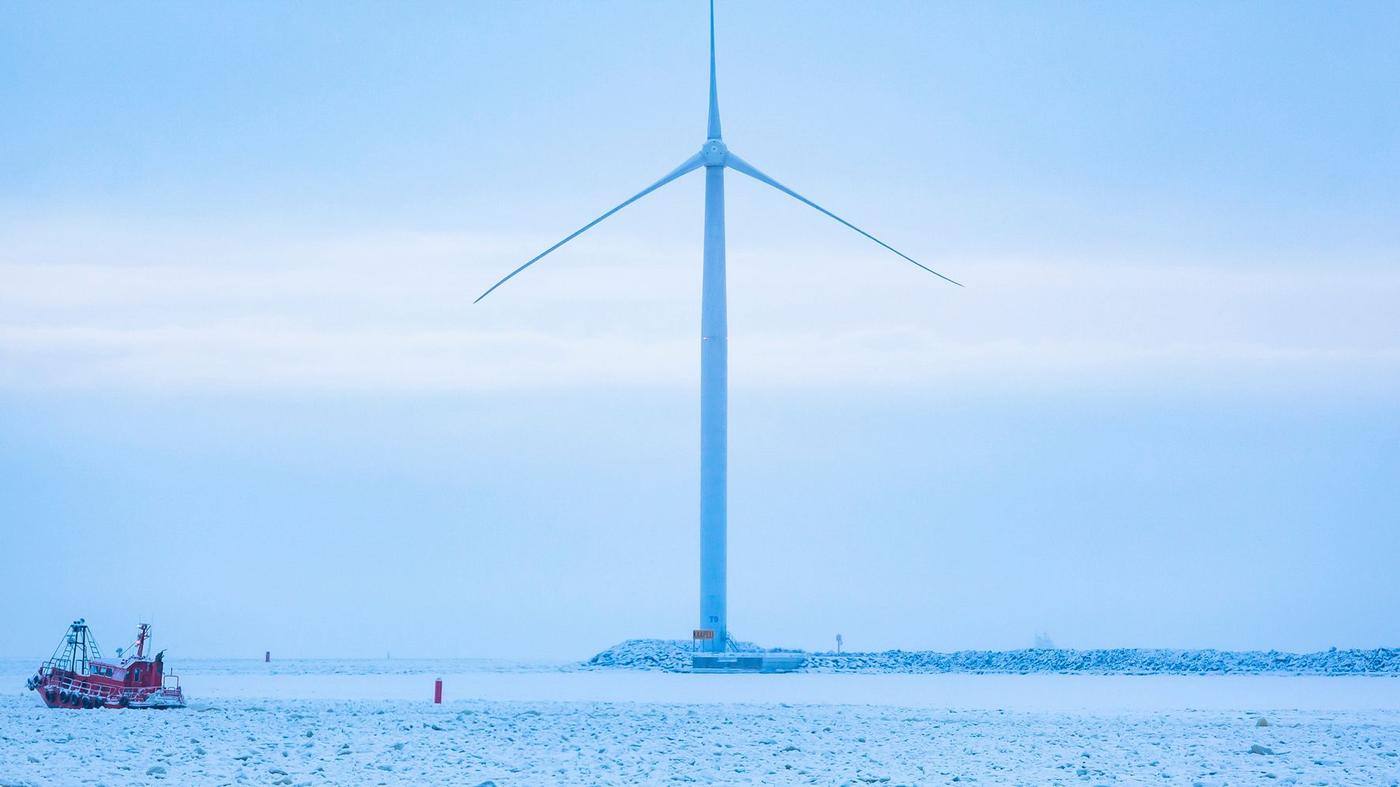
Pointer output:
714, 153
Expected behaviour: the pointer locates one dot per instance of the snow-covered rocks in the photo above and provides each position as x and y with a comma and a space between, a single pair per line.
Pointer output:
1117, 661
674, 656
644, 654
667, 655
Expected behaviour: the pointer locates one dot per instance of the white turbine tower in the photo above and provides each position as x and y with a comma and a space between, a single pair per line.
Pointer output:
714, 156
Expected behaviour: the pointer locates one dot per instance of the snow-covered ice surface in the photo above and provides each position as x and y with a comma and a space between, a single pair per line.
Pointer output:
348, 722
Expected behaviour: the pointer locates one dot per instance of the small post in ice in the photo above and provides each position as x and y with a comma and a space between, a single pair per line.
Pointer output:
437, 691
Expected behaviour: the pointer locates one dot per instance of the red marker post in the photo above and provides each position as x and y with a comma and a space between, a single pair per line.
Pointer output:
437, 691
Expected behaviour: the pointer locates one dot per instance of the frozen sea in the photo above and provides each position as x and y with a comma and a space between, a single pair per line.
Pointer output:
339, 722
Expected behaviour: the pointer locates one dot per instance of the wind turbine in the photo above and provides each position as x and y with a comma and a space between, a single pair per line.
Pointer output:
715, 157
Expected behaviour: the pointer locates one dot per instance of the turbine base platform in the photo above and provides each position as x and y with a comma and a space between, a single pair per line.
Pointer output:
746, 662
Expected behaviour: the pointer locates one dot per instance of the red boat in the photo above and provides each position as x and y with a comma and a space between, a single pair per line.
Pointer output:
77, 676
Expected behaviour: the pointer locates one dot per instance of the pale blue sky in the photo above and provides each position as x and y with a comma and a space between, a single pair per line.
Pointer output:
243, 390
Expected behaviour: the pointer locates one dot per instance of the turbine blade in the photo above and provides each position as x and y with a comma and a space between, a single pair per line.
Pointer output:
712, 131
694, 162
736, 163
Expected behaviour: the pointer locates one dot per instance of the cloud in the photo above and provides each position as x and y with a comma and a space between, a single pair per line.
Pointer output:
392, 312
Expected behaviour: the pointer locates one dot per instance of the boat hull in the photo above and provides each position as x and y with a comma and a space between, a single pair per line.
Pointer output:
74, 692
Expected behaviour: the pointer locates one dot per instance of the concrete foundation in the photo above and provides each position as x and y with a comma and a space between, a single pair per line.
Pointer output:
746, 662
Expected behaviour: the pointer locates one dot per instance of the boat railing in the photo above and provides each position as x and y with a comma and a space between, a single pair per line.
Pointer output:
66, 683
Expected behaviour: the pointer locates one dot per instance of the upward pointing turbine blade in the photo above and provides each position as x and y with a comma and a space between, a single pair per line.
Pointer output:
712, 131
694, 162
734, 162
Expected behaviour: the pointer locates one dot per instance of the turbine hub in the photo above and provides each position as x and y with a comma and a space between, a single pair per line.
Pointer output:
715, 153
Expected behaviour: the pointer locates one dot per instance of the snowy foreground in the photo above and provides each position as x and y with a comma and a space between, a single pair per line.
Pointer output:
373, 723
